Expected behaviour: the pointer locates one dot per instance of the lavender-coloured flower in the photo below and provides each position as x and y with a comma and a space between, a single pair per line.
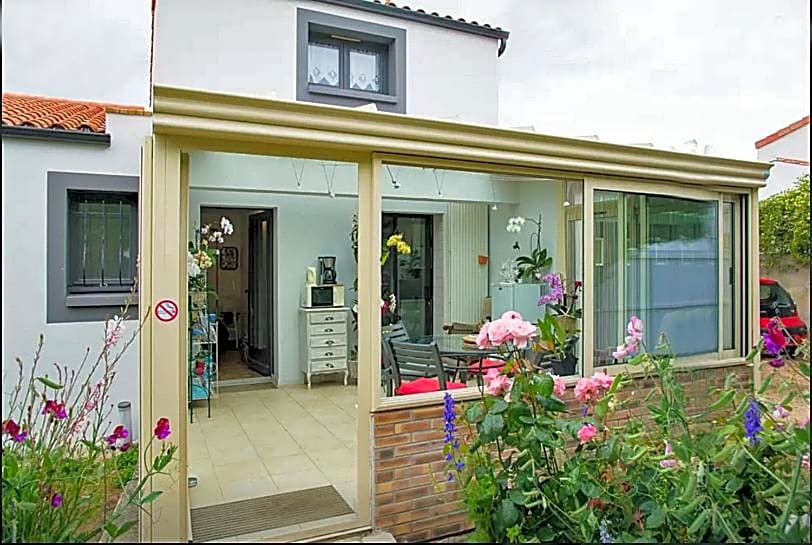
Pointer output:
605, 536
56, 500
752, 421
449, 417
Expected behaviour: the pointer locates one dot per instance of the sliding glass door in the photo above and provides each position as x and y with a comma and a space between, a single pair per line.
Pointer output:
656, 257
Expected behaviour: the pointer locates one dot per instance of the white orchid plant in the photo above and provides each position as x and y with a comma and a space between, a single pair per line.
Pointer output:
203, 251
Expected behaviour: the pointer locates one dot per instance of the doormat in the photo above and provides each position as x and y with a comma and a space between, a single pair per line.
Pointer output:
266, 513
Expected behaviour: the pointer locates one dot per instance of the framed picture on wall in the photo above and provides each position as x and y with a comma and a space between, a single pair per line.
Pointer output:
229, 258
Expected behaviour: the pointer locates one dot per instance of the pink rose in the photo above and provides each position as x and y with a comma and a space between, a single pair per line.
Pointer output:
586, 389
511, 315
497, 382
498, 332
521, 332
603, 380
780, 412
668, 463
482, 340
587, 433
559, 385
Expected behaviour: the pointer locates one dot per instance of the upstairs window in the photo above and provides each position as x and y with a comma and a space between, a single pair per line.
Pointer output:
348, 62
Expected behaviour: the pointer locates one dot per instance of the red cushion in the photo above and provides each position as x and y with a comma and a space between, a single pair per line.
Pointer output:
423, 385
487, 364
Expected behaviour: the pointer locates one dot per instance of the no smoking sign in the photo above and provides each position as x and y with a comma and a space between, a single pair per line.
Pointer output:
166, 310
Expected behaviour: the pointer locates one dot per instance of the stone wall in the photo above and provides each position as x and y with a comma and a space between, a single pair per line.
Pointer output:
412, 498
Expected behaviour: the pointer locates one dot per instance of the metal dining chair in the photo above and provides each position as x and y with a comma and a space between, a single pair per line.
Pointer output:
423, 362
390, 378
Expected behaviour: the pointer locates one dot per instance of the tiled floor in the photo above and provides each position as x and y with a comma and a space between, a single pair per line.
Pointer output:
232, 367
268, 441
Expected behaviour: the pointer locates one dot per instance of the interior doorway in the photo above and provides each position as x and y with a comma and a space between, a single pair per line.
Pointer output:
410, 277
243, 280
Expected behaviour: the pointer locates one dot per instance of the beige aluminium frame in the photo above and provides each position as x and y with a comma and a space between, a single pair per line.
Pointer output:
186, 120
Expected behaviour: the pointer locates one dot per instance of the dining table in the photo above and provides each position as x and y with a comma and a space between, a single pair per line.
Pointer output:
458, 356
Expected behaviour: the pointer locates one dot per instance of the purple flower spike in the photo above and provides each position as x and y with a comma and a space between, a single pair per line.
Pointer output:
752, 421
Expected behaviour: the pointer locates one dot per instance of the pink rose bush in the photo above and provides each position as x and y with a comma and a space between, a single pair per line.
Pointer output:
532, 469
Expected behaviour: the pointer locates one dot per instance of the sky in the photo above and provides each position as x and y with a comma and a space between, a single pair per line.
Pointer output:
723, 72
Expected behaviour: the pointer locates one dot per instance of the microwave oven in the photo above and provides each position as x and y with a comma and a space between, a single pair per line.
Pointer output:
323, 295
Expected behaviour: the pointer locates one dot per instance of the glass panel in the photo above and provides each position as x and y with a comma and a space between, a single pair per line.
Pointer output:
100, 238
729, 271
608, 276
666, 269
365, 70
322, 64
410, 276
471, 234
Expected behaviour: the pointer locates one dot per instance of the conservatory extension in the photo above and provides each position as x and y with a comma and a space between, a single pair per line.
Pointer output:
572, 234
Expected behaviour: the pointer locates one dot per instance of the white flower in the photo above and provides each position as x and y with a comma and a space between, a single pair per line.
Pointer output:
112, 331
515, 224
192, 268
204, 230
226, 226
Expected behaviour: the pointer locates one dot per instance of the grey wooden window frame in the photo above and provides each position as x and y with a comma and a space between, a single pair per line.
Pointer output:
318, 27
63, 303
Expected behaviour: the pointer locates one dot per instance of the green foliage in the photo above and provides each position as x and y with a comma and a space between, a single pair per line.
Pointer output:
532, 267
61, 460
784, 224
528, 476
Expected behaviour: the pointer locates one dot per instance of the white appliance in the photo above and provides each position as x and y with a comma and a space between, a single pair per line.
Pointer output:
523, 298
323, 295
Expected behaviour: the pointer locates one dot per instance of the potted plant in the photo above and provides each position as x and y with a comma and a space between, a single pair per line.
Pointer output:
531, 267
562, 301
202, 255
556, 346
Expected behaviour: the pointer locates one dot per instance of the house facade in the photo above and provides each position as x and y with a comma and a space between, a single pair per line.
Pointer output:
788, 150
75, 115
292, 118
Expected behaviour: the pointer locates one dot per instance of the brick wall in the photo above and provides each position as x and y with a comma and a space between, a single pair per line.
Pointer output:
412, 498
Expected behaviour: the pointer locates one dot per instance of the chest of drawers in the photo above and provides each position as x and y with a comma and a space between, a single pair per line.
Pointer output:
323, 334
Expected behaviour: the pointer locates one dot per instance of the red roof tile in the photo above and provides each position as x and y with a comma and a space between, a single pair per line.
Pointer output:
792, 127
58, 113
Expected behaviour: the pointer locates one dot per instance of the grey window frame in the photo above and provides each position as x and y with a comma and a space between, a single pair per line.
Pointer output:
62, 305
393, 99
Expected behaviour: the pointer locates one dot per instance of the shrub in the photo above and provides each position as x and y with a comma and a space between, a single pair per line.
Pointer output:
784, 224
531, 472
59, 452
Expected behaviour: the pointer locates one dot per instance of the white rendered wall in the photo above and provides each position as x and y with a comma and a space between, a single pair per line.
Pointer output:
795, 145
25, 169
249, 47
79, 49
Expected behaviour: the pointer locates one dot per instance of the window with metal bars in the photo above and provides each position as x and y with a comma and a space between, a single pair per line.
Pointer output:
102, 238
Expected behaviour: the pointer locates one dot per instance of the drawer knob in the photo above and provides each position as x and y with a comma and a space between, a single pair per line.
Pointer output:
329, 319
330, 342
328, 329
330, 365
328, 354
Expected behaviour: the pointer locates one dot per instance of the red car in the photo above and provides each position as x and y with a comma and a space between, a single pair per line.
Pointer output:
776, 302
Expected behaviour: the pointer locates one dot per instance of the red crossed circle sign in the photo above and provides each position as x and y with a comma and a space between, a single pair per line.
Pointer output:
166, 310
